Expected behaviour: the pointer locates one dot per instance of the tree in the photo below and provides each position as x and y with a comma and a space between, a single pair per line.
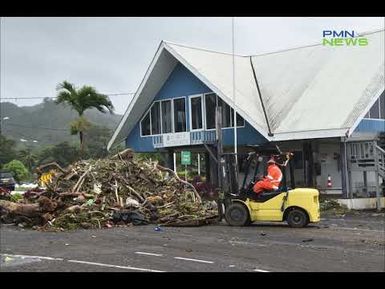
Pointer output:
80, 100
80, 126
7, 151
20, 172
62, 153
28, 158
97, 140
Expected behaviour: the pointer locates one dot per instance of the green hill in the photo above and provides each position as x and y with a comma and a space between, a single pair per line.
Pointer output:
47, 122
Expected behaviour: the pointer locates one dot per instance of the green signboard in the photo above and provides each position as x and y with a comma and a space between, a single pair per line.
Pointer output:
186, 158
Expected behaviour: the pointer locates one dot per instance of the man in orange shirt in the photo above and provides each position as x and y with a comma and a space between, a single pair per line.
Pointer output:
272, 180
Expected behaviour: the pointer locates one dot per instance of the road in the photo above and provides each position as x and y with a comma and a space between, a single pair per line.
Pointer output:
353, 243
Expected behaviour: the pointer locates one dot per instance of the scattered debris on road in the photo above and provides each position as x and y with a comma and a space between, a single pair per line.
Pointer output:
7, 259
119, 190
307, 240
158, 229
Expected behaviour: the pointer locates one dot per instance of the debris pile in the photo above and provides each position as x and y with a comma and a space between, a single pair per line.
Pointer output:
332, 206
107, 192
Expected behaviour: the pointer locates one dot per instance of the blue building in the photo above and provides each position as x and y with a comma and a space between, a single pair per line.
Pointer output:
323, 103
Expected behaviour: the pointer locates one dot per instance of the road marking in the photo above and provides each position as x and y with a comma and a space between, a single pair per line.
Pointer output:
194, 260
114, 266
150, 254
33, 257
246, 243
260, 270
81, 262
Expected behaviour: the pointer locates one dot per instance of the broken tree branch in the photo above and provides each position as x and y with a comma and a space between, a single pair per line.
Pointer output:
182, 181
75, 188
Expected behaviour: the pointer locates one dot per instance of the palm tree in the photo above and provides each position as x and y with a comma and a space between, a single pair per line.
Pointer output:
80, 100
28, 158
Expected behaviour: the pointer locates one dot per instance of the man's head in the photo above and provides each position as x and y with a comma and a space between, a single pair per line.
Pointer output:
271, 162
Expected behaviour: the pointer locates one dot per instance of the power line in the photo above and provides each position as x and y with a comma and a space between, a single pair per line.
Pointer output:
53, 97
37, 127
125, 93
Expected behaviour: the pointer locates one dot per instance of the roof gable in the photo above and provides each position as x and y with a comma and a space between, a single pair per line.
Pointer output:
308, 92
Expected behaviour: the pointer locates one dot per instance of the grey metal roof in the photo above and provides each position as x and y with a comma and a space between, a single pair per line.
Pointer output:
308, 92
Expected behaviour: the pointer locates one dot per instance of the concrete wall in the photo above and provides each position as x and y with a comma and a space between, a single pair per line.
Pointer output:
362, 203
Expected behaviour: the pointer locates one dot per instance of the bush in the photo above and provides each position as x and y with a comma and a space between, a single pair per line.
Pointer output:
19, 171
16, 197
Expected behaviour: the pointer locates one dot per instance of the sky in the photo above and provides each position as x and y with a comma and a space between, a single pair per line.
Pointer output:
113, 54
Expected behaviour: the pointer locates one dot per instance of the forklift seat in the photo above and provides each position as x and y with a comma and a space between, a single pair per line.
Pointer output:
264, 196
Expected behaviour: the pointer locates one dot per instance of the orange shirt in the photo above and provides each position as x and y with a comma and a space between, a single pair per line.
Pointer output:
274, 174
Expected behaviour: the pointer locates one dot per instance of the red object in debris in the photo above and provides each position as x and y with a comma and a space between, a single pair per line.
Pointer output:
329, 181
4, 192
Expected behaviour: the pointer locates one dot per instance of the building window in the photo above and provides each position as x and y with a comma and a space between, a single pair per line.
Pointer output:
145, 124
155, 118
226, 113
211, 103
166, 116
377, 111
196, 112
240, 120
179, 115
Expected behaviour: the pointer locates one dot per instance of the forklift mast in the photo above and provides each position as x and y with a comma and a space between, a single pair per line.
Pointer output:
253, 164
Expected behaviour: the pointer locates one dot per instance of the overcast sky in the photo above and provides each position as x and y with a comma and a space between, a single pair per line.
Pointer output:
112, 54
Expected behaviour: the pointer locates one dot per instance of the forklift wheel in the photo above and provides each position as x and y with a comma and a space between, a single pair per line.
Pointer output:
237, 215
297, 218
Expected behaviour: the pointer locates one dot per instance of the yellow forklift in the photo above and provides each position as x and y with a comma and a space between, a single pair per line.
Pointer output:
241, 206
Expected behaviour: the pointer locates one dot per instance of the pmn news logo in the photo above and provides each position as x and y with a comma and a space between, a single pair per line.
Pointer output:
342, 38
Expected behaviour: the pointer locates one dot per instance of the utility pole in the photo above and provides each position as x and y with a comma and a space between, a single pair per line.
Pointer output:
220, 167
235, 111
1, 36
218, 127
199, 164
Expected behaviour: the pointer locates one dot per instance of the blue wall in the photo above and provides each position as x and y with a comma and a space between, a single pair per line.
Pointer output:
182, 82
371, 125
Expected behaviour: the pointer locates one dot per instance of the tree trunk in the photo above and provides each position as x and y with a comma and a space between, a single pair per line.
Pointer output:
81, 142
28, 210
44, 205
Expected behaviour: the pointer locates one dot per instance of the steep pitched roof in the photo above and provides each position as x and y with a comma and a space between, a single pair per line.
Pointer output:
308, 92
320, 88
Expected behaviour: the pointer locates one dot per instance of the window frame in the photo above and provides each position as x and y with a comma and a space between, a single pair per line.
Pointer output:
160, 116
189, 97
202, 112
141, 120
173, 114
216, 104
376, 103
381, 101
